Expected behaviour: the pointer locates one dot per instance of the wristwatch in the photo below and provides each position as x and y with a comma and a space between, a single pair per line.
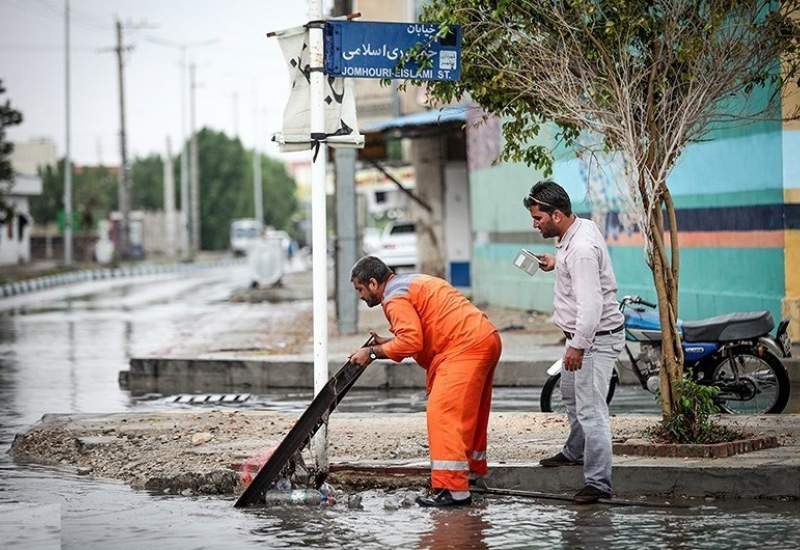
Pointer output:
372, 355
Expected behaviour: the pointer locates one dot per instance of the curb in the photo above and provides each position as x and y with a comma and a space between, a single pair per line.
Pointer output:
231, 375
175, 375
706, 479
716, 450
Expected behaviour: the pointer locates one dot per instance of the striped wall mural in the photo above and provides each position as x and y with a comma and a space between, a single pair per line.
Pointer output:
737, 199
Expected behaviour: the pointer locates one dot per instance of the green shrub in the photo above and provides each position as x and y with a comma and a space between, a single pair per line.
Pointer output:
691, 420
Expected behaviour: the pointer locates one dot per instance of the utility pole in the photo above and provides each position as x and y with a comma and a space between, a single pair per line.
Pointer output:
186, 228
318, 223
346, 224
67, 158
169, 201
235, 114
258, 194
186, 211
123, 187
194, 168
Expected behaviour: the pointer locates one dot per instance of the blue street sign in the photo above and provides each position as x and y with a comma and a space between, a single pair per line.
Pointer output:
361, 49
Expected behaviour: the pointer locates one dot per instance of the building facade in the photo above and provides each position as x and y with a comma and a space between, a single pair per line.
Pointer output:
737, 197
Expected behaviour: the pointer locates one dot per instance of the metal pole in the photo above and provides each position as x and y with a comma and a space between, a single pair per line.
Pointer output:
186, 249
346, 241
318, 224
195, 184
122, 189
67, 158
258, 194
235, 114
169, 201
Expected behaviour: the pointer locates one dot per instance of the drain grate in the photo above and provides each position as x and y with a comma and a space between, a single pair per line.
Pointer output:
204, 398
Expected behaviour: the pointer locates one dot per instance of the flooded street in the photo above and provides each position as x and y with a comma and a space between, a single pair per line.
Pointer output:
63, 356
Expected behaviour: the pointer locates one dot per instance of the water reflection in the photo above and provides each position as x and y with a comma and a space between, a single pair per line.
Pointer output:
589, 527
457, 528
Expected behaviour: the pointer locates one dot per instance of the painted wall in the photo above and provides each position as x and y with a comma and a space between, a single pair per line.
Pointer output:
733, 219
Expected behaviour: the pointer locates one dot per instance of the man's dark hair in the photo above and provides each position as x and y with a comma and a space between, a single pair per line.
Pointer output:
370, 267
549, 197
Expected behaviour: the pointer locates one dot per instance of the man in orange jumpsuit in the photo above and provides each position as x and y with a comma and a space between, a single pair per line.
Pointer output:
458, 347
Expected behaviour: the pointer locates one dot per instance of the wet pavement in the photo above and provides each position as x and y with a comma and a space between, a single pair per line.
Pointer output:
63, 356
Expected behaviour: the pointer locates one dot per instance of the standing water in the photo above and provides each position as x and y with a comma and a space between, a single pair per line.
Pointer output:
63, 357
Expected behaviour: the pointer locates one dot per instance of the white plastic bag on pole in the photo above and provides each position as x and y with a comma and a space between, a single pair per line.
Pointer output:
341, 124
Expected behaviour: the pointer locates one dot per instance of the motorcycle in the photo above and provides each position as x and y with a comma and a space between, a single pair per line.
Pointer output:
733, 352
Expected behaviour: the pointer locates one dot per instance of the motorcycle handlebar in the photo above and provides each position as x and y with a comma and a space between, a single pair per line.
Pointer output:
637, 300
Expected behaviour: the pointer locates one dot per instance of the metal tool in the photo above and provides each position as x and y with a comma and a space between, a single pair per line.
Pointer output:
304, 429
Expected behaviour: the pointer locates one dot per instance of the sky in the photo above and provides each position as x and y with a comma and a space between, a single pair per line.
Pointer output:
240, 67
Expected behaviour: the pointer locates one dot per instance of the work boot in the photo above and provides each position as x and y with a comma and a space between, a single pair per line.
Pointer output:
442, 498
559, 460
589, 495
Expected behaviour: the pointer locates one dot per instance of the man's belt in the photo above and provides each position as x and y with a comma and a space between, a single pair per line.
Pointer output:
571, 335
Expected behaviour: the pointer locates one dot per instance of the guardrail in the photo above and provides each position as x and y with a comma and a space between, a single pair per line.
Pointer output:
50, 281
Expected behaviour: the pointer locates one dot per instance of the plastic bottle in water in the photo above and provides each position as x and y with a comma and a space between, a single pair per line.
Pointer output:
310, 497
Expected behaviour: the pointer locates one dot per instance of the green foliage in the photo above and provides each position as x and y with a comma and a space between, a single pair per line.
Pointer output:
691, 420
226, 188
666, 49
147, 183
94, 195
8, 117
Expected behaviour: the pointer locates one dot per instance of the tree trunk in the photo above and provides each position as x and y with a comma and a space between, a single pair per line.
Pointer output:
665, 278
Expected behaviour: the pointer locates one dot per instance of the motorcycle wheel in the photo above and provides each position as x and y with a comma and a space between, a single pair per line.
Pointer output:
765, 377
550, 399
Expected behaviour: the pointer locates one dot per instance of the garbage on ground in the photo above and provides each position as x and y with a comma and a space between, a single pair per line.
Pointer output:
354, 502
294, 487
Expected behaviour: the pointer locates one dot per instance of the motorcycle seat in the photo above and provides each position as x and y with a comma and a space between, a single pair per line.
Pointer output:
730, 327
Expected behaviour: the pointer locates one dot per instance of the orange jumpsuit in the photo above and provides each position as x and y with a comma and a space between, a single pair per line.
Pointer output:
459, 348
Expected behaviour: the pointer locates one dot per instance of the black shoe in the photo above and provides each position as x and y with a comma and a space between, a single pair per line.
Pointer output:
590, 495
441, 499
559, 460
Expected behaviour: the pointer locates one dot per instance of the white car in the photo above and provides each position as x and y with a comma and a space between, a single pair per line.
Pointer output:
244, 234
398, 245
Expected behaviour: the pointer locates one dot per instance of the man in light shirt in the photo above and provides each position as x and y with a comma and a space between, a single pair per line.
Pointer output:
586, 310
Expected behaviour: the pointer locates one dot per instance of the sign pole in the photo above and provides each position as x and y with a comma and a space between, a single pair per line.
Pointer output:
319, 242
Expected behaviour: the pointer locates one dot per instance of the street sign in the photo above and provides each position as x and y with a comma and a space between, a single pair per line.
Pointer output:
361, 49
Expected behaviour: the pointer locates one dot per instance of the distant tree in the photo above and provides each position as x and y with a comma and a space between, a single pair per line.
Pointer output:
147, 183
8, 117
280, 193
94, 194
226, 188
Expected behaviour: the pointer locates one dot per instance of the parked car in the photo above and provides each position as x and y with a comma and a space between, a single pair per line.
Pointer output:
371, 240
398, 244
244, 233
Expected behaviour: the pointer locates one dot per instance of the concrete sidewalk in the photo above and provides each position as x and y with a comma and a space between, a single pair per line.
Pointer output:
531, 343
200, 452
